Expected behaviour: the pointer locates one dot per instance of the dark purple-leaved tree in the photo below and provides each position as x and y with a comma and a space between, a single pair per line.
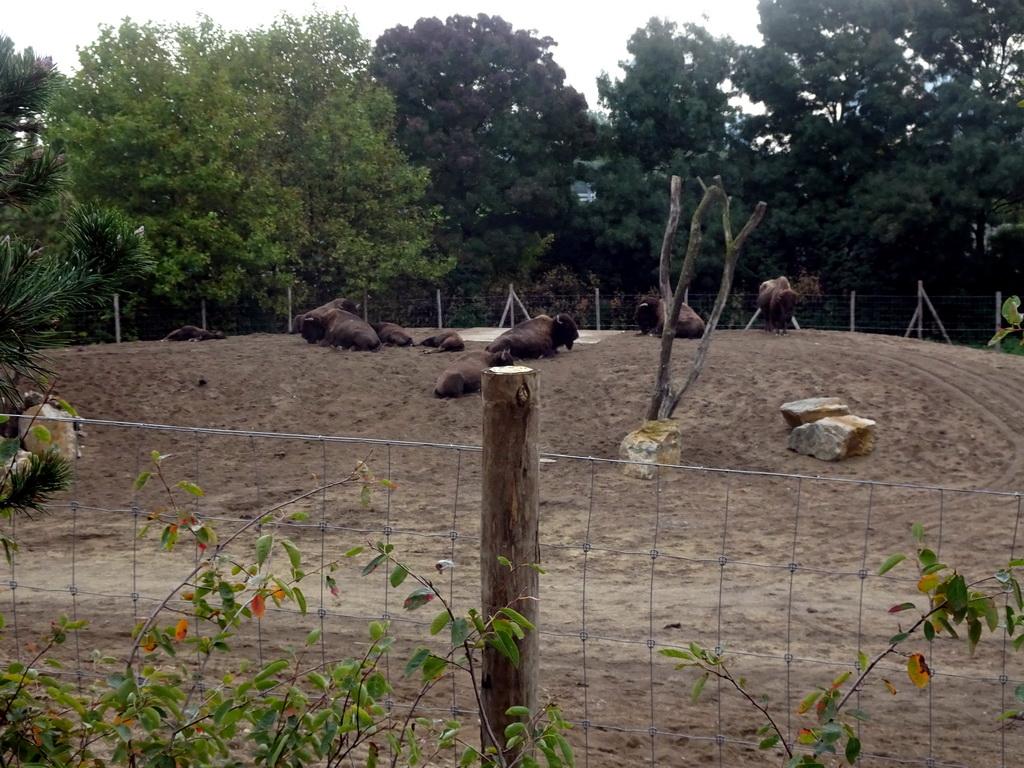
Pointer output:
487, 110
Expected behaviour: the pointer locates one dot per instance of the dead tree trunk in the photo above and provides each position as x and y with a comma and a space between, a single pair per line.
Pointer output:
665, 398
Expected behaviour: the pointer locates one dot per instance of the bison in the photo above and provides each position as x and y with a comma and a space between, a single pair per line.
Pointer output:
539, 337
338, 328
446, 341
776, 299
341, 303
465, 375
650, 316
193, 333
389, 333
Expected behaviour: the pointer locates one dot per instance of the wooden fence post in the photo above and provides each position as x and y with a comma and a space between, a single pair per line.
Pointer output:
920, 309
288, 328
117, 318
597, 307
509, 529
853, 310
439, 324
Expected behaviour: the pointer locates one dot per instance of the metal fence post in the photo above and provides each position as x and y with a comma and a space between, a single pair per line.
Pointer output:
853, 310
597, 307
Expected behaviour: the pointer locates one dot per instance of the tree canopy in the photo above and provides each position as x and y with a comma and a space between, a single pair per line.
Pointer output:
487, 110
254, 159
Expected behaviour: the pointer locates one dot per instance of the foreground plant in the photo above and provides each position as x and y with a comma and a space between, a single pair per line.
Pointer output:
161, 707
1015, 321
950, 602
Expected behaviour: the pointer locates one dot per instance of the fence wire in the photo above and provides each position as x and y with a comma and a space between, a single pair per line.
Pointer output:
778, 572
966, 319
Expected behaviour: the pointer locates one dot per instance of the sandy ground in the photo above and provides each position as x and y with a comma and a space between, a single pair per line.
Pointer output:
777, 569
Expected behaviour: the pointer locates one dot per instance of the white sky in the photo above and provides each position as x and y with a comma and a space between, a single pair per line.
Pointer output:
591, 36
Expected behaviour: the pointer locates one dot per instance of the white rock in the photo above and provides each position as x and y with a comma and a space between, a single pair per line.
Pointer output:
800, 412
834, 437
656, 442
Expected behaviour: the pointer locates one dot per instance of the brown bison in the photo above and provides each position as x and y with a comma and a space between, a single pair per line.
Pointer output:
650, 316
341, 303
338, 328
446, 341
465, 375
193, 333
539, 337
776, 299
389, 333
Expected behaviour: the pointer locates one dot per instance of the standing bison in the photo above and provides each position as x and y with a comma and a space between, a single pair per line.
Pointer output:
465, 375
539, 337
341, 303
650, 316
776, 299
338, 328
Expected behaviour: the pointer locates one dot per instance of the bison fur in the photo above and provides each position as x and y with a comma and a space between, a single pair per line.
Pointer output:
465, 375
193, 333
340, 303
650, 316
390, 333
776, 299
338, 328
446, 341
538, 337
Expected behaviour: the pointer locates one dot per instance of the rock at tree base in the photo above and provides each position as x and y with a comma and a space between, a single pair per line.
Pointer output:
656, 442
806, 411
834, 437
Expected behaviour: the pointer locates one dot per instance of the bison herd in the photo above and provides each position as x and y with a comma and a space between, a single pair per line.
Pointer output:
337, 324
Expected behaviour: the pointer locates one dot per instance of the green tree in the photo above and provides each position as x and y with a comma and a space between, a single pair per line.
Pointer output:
364, 227
486, 109
253, 159
668, 116
40, 287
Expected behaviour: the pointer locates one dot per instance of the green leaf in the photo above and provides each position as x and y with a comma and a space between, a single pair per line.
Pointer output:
398, 575
41, 433
460, 631
518, 711
372, 565
440, 622
898, 638
9, 449
4, 418
294, 555
859, 715
518, 618
376, 631
917, 531
192, 488
354, 551
1011, 310
416, 661
956, 592
698, 686
263, 546
271, 669
1001, 334
469, 757
852, 750
141, 480
768, 743
890, 563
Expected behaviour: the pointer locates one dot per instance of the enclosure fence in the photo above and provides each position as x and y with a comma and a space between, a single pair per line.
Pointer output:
778, 572
966, 319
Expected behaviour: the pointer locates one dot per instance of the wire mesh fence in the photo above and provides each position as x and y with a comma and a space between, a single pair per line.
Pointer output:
779, 572
966, 319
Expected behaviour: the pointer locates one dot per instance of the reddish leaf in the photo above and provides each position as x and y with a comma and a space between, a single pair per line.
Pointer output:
902, 607
890, 686
259, 606
181, 630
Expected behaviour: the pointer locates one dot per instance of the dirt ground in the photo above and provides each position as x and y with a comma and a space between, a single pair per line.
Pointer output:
777, 570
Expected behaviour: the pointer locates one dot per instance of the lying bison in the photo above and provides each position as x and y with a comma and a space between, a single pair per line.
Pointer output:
650, 316
465, 375
193, 333
446, 341
539, 337
389, 333
776, 299
338, 328
341, 303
